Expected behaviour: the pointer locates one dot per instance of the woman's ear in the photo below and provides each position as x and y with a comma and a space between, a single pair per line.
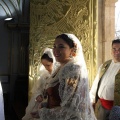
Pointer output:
73, 52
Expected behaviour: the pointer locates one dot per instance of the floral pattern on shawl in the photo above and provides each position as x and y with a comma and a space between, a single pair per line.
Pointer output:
74, 94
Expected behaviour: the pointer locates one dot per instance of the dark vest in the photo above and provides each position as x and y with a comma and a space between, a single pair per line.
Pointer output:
117, 83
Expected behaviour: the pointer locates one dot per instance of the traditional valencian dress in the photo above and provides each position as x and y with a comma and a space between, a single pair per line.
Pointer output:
39, 87
2, 117
68, 95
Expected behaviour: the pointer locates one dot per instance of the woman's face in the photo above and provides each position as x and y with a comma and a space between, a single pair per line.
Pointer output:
62, 51
47, 64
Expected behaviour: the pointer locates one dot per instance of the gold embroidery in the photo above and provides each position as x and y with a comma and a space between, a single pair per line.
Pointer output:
72, 82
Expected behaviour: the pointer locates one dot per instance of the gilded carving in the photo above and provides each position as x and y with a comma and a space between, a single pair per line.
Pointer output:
52, 17
11, 7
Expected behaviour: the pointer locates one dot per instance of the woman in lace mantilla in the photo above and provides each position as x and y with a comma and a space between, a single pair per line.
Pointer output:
48, 66
68, 90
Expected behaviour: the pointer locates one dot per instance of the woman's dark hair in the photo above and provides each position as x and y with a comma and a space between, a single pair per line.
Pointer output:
66, 38
116, 41
45, 56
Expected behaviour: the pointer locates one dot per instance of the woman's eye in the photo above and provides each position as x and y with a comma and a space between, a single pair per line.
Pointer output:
59, 46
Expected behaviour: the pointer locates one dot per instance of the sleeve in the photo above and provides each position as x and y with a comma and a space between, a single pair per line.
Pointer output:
38, 89
69, 81
39, 86
94, 86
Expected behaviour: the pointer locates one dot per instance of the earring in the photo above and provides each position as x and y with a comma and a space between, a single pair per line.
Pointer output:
71, 56
74, 54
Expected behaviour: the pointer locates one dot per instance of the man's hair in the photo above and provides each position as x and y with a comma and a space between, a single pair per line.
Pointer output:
116, 41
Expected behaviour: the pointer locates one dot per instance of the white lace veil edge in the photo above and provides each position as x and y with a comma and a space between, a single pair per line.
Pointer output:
84, 73
79, 51
49, 52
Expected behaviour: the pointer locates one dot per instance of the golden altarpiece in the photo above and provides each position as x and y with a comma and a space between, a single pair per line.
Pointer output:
48, 18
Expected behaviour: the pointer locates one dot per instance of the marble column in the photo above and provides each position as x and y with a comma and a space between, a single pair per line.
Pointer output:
106, 28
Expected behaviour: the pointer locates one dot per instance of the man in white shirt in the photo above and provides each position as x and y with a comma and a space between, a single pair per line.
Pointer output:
105, 91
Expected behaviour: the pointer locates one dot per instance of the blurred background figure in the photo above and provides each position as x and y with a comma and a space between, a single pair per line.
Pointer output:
38, 95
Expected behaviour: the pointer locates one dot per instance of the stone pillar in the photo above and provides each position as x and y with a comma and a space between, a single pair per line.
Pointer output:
106, 28
109, 27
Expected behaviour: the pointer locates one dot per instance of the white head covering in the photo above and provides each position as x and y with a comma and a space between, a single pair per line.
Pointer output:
49, 52
80, 102
79, 52
43, 73
81, 99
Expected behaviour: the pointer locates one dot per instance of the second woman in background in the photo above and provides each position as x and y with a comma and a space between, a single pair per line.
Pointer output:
38, 95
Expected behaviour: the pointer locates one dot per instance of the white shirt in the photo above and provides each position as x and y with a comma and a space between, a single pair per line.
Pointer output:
106, 89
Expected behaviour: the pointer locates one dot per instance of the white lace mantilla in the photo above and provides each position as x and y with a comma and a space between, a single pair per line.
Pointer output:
74, 94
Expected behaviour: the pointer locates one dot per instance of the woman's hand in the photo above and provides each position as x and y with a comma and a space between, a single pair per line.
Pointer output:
39, 98
35, 114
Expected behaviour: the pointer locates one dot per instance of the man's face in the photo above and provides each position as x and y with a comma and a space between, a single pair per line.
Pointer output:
116, 52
